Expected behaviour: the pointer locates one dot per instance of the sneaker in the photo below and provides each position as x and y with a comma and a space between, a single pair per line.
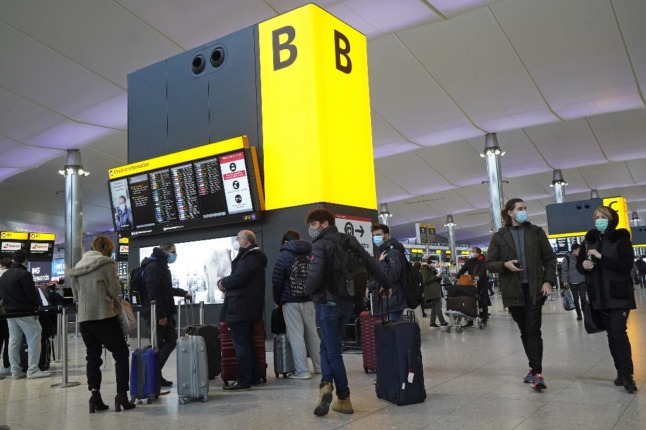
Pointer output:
539, 382
342, 406
39, 374
444, 324
295, 376
434, 325
325, 398
19, 376
629, 385
165, 383
235, 387
6, 371
529, 378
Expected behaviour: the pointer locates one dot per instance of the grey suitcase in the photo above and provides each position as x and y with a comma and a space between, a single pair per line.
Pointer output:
283, 359
192, 369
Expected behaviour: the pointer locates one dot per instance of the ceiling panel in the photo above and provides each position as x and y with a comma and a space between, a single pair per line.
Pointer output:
631, 15
386, 15
417, 178
637, 169
607, 175
621, 134
451, 7
22, 119
387, 190
521, 156
473, 169
524, 187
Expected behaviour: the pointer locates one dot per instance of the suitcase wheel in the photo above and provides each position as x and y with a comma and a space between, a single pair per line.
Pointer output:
264, 379
182, 400
482, 326
149, 401
205, 398
458, 328
448, 329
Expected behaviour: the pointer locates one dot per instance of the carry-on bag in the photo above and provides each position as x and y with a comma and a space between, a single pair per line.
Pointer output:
192, 365
464, 304
283, 358
228, 363
400, 376
145, 372
367, 322
211, 335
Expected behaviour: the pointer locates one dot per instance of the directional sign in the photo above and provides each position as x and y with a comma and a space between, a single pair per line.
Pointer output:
425, 233
358, 227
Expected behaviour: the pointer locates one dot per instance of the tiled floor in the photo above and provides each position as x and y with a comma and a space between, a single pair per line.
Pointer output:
473, 380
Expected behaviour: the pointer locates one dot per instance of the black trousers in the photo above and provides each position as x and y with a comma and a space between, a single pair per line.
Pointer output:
166, 339
108, 333
242, 337
529, 319
4, 342
615, 321
579, 293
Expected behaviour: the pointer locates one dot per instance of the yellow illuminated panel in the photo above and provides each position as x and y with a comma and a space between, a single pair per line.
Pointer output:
45, 237
317, 137
179, 157
124, 240
13, 235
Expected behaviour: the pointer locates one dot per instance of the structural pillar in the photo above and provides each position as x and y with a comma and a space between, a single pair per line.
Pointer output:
594, 194
492, 154
451, 227
558, 183
384, 214
73, 207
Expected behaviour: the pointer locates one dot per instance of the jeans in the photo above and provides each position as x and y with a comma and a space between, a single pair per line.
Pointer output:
30, 327
436, 311
579, 293
300, 319
615, 321
106, 332
529, 319
242, 337
166, 339
331, 319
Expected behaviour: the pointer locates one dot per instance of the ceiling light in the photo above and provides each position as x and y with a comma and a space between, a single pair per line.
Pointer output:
491, 146
449, 221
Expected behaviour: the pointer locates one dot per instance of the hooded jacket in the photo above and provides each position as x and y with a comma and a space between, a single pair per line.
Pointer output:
95, 284
540, 258
394, 266
158, 283
610, 285
244, 296
283, 269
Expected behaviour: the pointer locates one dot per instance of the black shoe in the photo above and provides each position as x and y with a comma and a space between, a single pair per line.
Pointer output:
444, 324
629, 384
121, 401
165, 383
620, 380
258, 382
578, 317
235, 387
434, 325
96, 402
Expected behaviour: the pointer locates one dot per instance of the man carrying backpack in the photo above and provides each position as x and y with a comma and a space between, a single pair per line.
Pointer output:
327, 284
392, 261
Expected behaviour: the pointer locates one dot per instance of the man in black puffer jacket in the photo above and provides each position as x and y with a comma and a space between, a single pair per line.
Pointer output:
244, 300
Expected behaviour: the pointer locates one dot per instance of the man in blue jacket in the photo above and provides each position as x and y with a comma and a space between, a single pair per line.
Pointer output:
244, 300
392, 261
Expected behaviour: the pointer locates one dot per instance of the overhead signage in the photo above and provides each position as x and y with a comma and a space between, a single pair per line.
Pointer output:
38, 247
425, 233
44, 237
617, 203
359, 227
236, 182
14, 235
11, 246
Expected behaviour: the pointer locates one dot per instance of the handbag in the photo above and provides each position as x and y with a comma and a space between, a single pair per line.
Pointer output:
125, 314
465, 280
592, 319
567, 300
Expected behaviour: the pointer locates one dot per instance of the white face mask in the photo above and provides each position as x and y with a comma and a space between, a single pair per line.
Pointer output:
473, 255
122, 207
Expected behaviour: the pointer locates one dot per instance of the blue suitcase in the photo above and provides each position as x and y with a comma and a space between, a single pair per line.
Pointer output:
400, 375
145, 372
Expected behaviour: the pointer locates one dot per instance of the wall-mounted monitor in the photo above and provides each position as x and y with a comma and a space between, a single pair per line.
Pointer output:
205, 186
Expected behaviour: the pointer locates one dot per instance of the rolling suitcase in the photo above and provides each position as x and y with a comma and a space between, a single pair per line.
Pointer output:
283, 358
211, 337
145, 372
228, 364
192, 366
401, 379
367, 321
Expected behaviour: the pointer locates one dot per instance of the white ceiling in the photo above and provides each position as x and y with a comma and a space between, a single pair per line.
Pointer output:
561, 82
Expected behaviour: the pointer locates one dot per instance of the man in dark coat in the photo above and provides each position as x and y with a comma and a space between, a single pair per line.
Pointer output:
392, 261
244, 299
158, 285
522, 255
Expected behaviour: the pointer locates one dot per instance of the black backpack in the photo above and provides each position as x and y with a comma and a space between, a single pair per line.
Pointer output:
413, 287
137, 287
298, 275
348, 272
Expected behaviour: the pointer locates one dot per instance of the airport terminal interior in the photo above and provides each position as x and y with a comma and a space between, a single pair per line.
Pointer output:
473, 379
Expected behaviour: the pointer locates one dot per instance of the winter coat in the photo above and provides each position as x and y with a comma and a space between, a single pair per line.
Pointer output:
158, 283
95, 284
244, 297
540, 258
394, 266
18, 290
431, 283
318, 275
569, 271
282, 287
476, 267
610, 285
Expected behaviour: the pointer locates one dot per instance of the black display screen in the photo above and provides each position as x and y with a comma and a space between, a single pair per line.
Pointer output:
142, 202
209, 188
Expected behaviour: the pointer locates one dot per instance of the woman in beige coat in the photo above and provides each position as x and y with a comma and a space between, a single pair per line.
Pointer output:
95, 284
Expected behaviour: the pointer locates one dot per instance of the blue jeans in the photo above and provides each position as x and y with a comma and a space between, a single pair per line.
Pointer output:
242, 337
331, 319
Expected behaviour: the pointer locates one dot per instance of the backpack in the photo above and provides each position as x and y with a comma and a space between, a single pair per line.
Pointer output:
137, 287
348, 271
412, 283
298, 275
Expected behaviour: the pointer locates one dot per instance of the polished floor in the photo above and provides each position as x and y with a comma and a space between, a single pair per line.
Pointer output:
473, 380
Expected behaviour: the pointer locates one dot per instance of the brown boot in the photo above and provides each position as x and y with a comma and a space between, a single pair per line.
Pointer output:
343, 406
325, 398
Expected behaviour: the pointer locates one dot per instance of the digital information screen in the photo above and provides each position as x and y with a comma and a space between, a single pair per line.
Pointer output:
181, 191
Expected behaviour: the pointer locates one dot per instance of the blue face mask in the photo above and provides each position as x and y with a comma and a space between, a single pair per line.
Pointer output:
521, 216
172, 258
378, 240
601, 224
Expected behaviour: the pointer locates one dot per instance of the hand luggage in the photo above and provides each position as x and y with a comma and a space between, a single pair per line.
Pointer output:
466, 305
400, 376
145, 372
229, 368
352, 335
367, 322
211, 337
192, 366
283, 358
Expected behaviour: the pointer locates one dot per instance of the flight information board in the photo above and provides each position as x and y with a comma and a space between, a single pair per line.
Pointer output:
176, 192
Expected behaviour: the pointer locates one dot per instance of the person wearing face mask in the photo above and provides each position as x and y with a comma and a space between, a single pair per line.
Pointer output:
123, 215
523, 257
476, 267
157, 281
392, 261
606, 259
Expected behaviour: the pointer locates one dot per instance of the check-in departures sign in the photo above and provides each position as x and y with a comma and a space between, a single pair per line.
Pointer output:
425, 233
358, 227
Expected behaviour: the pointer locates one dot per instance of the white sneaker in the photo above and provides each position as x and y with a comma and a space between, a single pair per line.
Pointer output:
295, 376
5, 371
39, 374
19, 376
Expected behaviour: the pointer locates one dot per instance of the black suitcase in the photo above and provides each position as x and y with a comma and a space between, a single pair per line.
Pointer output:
400, 376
